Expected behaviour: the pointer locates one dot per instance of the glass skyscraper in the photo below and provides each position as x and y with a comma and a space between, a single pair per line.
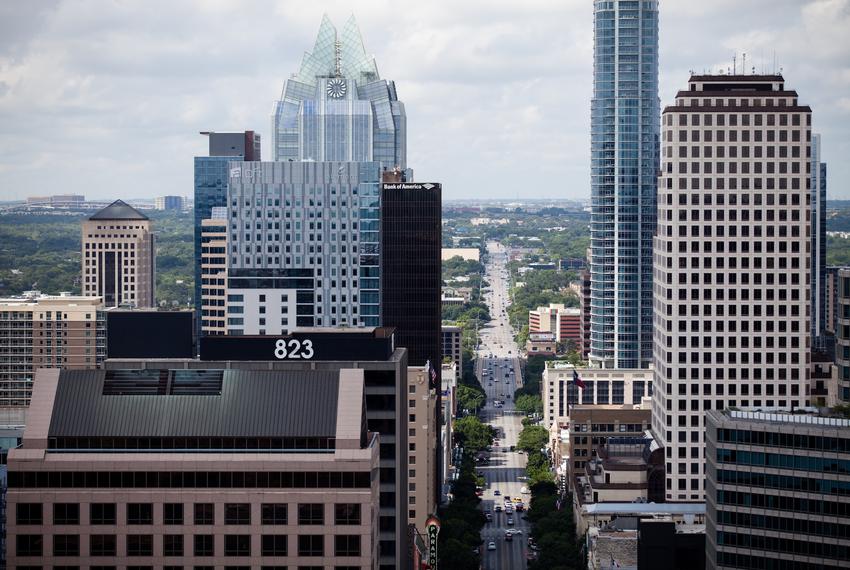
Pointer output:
624, 163
337, 108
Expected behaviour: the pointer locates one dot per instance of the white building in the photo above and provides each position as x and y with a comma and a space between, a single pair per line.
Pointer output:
731, 262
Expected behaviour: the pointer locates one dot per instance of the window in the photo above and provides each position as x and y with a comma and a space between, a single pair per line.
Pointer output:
66, 513
204, 513
237, 513
139, 513
172, 513
311, 545
274, 545
347, 545
102, 513
66, 545
28, 513
139, 545
204, 545
172, 545
237, 545
103, 545
311, 513
347, 513
274, 513
29, 544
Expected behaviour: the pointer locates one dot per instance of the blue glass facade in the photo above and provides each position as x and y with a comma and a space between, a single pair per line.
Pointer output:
625, 127
337, 108
211, 177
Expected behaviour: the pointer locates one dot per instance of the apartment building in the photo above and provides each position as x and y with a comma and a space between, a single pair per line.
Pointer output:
285, 475
732, 262
563, 322
214, 273
119, 257
422, 441
452, 347
47, 331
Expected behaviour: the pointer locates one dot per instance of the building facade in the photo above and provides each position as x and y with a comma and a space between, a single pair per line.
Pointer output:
337, 107
732, 267
817, 185
314, 221
453, 347
287, 474
601, 387
776, 490
212, 174
410, 237
169, 203
624, 162
119, 257
213, 260
591, 426
564, 322
582, 290
842, 333
44, 331
831, 304
423, 439
384, 366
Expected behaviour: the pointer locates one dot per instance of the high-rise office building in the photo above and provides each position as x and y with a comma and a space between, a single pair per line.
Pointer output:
337, 107
776, 490
410, 268
731, 262
119, 257
624, 163
211, 177
45, 331
817, 184
304, 246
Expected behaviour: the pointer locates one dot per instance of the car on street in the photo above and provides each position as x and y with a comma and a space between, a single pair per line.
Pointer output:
510, 520
489, 517
509, 537
497, 492
498, 508
491, 545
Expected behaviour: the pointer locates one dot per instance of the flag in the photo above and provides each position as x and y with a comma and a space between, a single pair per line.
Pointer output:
577, 380
432, 374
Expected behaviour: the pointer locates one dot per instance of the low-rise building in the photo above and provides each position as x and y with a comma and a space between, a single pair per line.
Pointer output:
564, 322
541, 343
666, 545
465, 253
616, 387
776, 489
200, 467
623, 469
47, 331
600, 515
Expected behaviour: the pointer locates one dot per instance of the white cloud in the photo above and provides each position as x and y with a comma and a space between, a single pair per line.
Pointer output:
106, 98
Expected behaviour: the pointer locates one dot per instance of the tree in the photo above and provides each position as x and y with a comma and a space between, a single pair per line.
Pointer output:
473, 434
533, 438
529, 404
469, 398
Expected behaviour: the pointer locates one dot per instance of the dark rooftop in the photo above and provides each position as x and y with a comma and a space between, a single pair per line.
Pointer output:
220, 403
118, 210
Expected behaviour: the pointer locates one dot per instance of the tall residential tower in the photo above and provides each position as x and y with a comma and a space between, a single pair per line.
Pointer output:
624, 163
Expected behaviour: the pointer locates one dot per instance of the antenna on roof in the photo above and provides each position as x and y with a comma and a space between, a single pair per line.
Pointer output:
734, 63
744, 64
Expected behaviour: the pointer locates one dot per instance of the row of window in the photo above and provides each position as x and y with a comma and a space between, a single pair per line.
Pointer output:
172, 513
190, 479
796, 525
827, 549
762, 562
821, 464
784, 482
789, 440
774, 501
173, 545
707, 118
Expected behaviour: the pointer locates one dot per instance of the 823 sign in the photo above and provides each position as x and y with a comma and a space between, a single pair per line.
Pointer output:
293, 349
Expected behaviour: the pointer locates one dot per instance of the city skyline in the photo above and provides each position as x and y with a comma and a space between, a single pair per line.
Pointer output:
78, 101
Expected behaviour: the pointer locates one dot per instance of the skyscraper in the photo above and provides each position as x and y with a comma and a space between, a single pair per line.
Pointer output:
624, 163
337, 108
818, 190
731, 262
119, 257
211, 177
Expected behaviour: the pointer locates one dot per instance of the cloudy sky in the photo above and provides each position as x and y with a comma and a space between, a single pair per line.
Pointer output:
106, 97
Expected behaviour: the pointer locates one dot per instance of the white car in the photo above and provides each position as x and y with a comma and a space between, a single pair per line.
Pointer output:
491, 545
510, 520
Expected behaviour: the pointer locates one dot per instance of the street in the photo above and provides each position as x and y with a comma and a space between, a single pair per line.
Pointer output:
497, 368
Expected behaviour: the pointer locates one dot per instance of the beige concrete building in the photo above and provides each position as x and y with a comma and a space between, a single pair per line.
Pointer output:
541, 343
731, 262
466, 253
591, 426
119, 257
45, 331
564, 322
115, 468
214, 273
422, 440
614, 387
